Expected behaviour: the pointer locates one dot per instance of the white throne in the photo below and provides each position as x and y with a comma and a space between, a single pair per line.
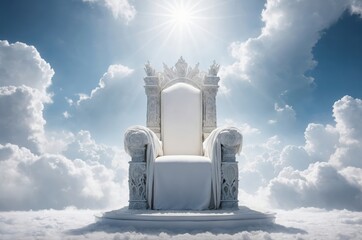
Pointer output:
181, 161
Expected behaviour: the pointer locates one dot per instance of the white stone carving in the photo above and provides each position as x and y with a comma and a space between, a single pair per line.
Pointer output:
214, 69
229, 185
181, 72
150, 71
136, 142
137, 185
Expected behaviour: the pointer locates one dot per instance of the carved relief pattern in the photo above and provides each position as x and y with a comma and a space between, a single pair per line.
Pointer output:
182, 72
210, 107
137, 186
229, 182
153, 116
153, 103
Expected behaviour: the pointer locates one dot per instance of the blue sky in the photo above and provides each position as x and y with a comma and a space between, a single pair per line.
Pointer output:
80, 40
291, 80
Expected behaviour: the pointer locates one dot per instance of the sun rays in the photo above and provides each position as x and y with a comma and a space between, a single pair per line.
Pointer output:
178, 24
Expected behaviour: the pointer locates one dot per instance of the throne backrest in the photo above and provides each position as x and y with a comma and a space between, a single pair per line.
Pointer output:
181, 120
183, 86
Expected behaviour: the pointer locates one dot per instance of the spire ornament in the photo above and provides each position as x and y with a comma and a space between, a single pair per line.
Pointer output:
150, 71
214, 69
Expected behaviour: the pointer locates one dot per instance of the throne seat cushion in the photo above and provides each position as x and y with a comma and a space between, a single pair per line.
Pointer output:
182, 182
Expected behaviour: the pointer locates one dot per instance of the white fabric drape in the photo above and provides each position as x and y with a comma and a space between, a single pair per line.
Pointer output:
212, 149
153, 150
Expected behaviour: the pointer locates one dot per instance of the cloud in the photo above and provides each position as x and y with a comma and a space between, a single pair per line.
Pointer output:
22, 122
325, 172
24, 79
121, 9
297, 224
110, 107
274, 67
278, 58
348, 114
45, 169
22, 64
320, 141
295, 157
31, 181
356, 7
285, 115
321, 185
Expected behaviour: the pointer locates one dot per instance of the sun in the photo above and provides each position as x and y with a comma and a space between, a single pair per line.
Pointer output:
181, 15
178, 24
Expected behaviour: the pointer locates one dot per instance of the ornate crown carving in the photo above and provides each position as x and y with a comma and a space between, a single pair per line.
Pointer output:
181, 70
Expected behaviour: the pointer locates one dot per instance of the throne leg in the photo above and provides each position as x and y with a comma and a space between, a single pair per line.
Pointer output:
137, 180
229, 179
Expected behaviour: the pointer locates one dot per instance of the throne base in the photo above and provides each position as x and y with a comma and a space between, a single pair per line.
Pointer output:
178, 221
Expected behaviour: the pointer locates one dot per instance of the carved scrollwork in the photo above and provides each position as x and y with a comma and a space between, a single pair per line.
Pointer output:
137, 186
229, 185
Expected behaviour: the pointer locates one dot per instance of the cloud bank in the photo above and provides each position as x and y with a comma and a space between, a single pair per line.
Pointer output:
40, 169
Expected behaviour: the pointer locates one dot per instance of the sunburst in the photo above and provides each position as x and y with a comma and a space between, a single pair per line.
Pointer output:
179, 25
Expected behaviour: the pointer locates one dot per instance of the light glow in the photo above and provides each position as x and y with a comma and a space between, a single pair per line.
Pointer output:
181, 16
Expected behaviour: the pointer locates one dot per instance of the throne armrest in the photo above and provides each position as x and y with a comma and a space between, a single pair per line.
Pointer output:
143, 146
221, 146
136, 140
231, 143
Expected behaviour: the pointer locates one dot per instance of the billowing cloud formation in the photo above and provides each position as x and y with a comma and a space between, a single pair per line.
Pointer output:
277, 59
22, 65
40, 169
321, 185
53, 181
114, 99
24, 79
120, 9
325, 172
22, 122
273, 66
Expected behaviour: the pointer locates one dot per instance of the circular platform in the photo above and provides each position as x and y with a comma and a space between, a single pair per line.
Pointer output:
187, 220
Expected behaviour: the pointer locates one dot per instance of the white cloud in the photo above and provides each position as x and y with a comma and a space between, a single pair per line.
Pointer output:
109, 80
114, 99
245, 128
44, 169
24, 79
348, 114
275, 65
277, 59
53, 181
22, 122
121, 9
356, 7
324, 172
320, 141
80, 224
295, 156
284, 114
321, 185
22, 64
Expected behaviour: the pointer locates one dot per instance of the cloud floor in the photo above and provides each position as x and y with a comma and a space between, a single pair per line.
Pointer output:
304, 223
